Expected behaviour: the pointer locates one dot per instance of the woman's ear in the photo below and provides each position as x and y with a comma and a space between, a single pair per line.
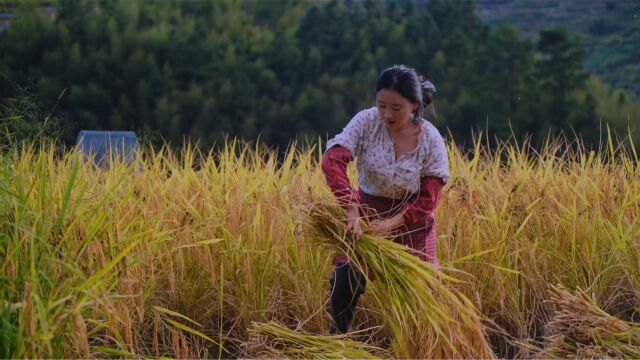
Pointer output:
414, 107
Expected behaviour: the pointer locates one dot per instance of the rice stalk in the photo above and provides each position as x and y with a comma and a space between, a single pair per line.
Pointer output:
428, 318
580, 328
513, 219
283, 342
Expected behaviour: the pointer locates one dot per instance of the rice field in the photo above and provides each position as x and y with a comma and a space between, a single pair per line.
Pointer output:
215, 255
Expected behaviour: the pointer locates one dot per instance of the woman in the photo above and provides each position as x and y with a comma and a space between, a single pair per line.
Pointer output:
402, 167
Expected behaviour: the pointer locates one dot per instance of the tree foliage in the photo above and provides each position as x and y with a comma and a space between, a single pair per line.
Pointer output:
284, 69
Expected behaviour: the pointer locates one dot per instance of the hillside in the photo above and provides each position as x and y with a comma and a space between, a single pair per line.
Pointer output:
610, 31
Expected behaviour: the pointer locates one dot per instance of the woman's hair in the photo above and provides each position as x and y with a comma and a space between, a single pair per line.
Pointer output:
410, 85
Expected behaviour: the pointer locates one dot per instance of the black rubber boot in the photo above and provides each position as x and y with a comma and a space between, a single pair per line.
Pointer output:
347, 284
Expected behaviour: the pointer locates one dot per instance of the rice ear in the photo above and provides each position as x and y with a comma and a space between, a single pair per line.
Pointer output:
579, 328
281, 341
427, 316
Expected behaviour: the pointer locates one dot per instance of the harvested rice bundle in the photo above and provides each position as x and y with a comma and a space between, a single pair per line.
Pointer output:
283, 341
579, 328
427, 317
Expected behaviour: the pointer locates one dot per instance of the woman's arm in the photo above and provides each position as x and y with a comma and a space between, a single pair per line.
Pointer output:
426, 201
415, 210
334, 167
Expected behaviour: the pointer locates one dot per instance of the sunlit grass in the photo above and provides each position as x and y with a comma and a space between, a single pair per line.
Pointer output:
181, 256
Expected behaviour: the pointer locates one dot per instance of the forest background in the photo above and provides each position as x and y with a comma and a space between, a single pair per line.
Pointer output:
284, 70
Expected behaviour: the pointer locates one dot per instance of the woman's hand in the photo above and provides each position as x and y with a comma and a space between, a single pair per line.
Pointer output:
384, 227
353, 222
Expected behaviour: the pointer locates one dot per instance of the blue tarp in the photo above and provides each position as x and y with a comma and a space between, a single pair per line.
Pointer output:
106, 146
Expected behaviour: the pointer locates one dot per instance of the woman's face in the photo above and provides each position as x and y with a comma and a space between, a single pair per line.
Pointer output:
395, 110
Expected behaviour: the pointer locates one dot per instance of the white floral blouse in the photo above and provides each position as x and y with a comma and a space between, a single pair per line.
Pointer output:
379, 173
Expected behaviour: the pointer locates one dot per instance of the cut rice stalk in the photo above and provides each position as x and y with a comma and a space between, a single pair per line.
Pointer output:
580, 328
427, 316
284, 342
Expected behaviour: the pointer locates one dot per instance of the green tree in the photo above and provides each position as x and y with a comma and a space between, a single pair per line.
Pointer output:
281, 69
560, 73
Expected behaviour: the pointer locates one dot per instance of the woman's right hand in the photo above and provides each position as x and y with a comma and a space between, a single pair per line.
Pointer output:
353, 222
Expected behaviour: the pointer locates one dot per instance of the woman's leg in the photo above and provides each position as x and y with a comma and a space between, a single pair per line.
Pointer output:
347, 284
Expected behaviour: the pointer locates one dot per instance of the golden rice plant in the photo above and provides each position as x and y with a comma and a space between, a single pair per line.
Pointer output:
579, 328
179, 257
174, 259
518, 219
427, 316
280, 341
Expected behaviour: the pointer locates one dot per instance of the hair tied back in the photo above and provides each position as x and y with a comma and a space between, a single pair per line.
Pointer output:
427, 86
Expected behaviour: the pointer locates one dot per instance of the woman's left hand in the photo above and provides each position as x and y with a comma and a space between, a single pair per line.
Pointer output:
379, 227
384, 227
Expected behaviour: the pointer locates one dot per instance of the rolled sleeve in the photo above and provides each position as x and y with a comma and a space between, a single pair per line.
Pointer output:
425, 202
334, 167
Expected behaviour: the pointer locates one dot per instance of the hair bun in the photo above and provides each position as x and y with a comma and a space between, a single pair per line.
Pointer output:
427, 86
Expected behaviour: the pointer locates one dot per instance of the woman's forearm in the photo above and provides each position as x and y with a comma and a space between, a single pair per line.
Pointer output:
334, 167
425, 202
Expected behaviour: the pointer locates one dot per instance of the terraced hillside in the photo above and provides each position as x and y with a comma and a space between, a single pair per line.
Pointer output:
610, 31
